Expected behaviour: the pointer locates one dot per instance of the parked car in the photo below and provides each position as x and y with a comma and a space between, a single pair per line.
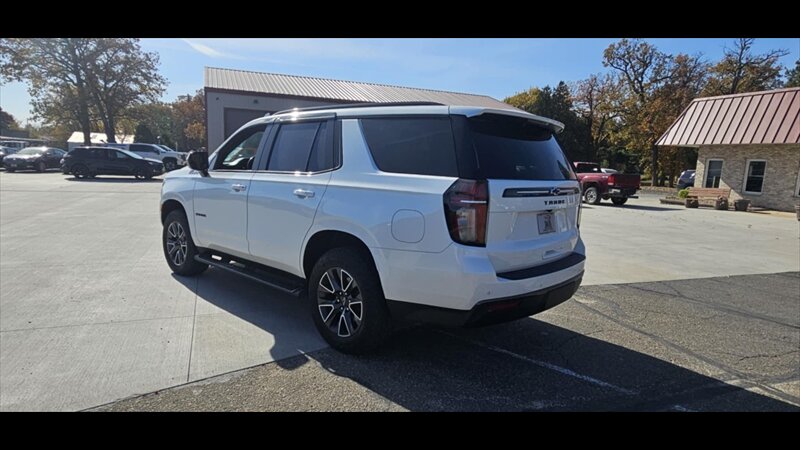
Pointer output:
88, 162
34, 158
597, 185
686, 179
382, 212
172, 160
607, 170
5, 151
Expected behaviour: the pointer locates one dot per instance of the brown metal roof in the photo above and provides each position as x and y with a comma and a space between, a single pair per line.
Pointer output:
766, 117
350, 91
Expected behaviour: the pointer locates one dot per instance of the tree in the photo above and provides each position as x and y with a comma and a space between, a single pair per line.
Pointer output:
120, 76
742, 71
596, 99
556, 104
643, 70
189, 121
144, 135
157, 117
793, 75
7, 122
55, 70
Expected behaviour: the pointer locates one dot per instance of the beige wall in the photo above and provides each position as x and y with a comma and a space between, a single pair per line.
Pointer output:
780, 181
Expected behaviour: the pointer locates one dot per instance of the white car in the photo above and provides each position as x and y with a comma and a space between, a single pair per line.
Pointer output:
172, 160
454, 215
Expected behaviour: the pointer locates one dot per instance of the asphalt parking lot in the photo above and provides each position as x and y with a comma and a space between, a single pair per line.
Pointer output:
90, 314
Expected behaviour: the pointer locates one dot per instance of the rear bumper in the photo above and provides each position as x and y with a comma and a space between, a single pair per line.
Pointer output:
489, 311
461, 277
627, 192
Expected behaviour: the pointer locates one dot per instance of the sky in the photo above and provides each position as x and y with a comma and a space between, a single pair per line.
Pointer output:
495, 67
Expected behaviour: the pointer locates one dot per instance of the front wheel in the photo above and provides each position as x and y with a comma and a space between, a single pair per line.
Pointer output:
170, 165
41, 166
347, 302
619, 201
591, 196
11, 170
80, 172
139, 173
178, 246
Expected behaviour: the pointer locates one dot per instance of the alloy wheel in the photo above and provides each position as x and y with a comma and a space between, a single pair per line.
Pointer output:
339, 302
176, 243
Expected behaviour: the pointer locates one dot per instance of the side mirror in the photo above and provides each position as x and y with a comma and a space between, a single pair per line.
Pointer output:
199, 161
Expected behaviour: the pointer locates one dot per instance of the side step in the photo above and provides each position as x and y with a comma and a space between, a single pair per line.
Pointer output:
276, 279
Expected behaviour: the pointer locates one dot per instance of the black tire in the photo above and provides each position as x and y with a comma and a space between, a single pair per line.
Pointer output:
343, 330
590, 195
619, 201
80, 171
41, 166
173, 243
170, 165
11, 170
139, 173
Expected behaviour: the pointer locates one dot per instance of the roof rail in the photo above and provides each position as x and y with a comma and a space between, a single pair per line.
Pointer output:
356, 105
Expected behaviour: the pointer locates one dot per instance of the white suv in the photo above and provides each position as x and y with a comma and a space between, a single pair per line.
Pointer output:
171, 159
455, 215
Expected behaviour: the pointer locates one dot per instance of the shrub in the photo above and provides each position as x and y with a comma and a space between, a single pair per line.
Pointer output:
683, 193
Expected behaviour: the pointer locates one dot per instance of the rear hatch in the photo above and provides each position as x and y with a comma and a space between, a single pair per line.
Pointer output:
534, 195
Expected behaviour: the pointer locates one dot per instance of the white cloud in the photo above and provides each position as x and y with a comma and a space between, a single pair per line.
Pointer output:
206, 50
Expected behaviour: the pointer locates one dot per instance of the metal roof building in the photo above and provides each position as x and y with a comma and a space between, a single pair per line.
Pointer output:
234, 97
747, 142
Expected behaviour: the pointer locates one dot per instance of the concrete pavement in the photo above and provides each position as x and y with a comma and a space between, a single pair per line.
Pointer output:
89, 312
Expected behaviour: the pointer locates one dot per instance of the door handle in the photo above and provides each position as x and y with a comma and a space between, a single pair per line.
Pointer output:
238, 187
303, 193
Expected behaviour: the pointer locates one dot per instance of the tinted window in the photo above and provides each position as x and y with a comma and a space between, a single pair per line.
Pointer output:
97, 153
322, 153
142, 148
516, 149
116, 154
587, 168
422, 146
293, 146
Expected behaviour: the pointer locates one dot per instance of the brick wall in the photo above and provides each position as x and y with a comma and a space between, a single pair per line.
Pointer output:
779, 190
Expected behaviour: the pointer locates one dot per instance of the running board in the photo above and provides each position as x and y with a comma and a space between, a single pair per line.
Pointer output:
273, 278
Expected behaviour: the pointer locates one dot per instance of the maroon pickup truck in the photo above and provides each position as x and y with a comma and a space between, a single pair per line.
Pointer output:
597, 185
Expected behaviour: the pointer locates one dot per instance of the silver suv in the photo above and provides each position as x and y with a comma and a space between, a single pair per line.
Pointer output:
455, 215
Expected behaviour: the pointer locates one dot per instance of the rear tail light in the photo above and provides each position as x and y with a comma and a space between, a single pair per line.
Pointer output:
466, 205
612, 179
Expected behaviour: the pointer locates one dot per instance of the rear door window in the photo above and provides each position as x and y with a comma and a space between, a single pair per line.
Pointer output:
301, 147
511, 148
421, 146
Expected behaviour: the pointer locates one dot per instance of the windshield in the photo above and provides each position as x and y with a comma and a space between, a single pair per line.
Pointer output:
131, 154
512, 148
31, 151
166, 148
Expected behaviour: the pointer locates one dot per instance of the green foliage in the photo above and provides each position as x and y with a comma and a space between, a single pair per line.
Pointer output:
683, 193
7, 122
144, 135
793, 75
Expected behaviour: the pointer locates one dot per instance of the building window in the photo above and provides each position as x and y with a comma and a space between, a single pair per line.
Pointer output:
713, 173
797, 186
754, 181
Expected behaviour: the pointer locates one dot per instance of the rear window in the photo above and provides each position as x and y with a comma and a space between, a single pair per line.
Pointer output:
511, 148
421, 146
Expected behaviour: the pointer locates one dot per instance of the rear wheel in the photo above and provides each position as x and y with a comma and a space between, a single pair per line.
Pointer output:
591, 195
80, 171
10, 170
41, 166
178, 246
619, 201
347, 302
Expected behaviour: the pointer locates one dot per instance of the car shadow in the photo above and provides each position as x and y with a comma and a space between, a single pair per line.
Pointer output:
101, 179
519, 366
